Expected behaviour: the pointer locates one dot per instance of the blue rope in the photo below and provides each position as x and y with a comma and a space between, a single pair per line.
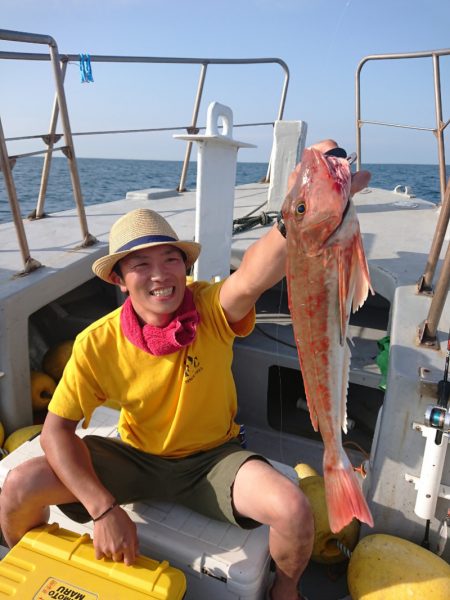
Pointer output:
85, 69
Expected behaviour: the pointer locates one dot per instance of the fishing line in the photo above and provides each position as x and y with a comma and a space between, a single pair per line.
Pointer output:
338, 26
278, 354
274, 337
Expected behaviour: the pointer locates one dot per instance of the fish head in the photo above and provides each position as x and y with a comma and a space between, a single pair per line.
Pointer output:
318, 192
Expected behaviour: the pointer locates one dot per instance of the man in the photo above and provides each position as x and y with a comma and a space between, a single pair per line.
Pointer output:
165, 356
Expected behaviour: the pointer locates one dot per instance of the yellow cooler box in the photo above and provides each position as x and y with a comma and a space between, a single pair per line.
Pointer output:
51, 563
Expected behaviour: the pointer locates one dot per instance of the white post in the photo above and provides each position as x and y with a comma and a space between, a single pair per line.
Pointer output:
216, 180
429, 482
289, 139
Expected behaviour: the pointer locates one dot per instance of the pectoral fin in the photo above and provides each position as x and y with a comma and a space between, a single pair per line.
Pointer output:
362, 284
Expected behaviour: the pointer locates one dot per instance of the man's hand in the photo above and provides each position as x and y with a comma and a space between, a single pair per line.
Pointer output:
360, 180
115, 537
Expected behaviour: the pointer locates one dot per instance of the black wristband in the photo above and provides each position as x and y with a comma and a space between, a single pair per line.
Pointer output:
105, 512
280, 224
337, 152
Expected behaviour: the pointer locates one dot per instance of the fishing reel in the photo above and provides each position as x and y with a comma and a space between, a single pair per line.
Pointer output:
438, 417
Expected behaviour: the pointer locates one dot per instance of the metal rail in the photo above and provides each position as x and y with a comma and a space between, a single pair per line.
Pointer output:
203, 62
428, 329
427, 333
58, 136
29, 263
59, 63
438, 131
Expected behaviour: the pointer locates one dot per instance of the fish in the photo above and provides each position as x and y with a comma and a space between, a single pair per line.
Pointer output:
327, 277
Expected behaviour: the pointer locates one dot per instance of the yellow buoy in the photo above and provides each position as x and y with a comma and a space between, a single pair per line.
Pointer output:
55, 359
18, 437
325, 549
303, 470
385, 567
42, 388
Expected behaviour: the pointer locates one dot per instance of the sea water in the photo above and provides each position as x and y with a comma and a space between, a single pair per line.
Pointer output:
104, 180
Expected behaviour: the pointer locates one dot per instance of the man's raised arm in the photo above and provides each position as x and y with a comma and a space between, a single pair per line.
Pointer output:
263, 265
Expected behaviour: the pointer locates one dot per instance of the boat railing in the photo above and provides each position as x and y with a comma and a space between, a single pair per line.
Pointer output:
428, 329
59, 64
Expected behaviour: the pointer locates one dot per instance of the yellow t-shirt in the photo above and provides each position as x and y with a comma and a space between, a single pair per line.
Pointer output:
171, 405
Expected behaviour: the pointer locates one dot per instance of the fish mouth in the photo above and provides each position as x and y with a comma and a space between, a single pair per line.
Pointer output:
162, 292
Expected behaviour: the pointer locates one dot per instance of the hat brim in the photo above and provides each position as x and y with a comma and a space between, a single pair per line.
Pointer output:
104, 266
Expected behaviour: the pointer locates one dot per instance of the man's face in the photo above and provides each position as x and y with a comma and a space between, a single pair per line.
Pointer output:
155, 279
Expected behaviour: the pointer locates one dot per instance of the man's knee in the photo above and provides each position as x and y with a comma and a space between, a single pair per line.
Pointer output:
25, 482
294, 510
304, 515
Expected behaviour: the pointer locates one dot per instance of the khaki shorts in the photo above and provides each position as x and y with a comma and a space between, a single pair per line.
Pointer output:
202, 481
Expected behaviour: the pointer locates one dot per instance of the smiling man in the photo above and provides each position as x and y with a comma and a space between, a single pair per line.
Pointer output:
165, 356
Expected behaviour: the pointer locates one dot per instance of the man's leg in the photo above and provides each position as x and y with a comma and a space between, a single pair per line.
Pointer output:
25, 498
265, 495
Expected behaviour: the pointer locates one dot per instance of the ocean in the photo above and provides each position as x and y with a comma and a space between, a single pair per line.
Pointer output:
104, 180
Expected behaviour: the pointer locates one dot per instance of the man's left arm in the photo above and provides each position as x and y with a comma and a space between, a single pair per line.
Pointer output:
263, 265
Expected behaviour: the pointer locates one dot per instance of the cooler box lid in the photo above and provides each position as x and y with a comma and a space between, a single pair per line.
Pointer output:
51, 563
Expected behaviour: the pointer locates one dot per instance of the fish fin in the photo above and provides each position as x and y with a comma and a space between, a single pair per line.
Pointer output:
343, 272
362, 282
345, 499
344, 309
344, 390
314, 418
311, 405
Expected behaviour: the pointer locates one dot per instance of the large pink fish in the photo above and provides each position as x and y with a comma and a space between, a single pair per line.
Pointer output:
327, 276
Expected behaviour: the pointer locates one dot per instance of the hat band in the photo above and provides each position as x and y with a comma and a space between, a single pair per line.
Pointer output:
146, 239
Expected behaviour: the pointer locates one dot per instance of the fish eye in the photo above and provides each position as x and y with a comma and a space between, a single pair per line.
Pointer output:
301, 209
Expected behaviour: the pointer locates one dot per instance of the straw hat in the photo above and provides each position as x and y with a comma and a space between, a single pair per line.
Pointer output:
141, 228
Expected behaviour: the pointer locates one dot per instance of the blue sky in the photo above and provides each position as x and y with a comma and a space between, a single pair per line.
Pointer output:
322, 42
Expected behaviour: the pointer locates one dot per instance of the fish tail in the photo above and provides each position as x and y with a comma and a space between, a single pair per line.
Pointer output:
344, 496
